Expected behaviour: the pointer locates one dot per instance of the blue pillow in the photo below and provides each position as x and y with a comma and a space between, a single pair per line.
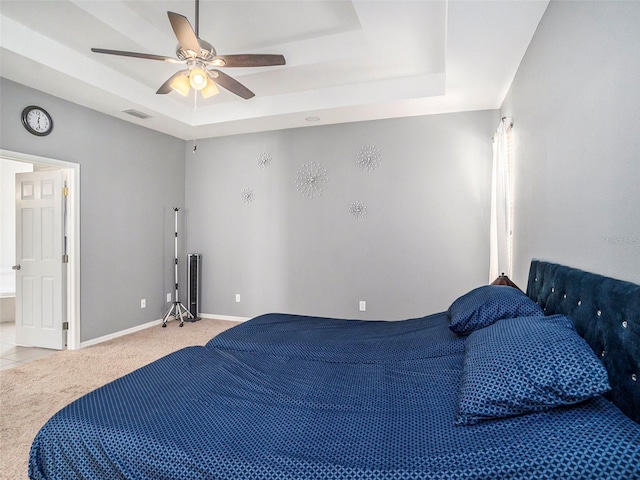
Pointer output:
527, 364
487, 304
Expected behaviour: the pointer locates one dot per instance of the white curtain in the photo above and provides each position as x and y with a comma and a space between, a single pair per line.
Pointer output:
501, 228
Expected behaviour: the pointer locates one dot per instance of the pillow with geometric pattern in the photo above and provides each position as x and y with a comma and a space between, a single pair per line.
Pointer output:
524, 365
487, 304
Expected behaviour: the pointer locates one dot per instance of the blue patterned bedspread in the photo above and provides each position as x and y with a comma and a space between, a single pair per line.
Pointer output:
345, 341
284, 397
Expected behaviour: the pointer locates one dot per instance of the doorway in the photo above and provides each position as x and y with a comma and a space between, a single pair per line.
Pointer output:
71, 298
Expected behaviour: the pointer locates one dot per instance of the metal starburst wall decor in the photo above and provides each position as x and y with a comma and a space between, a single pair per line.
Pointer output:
248, 195
264, 160
311, 180
369, 158
358, 210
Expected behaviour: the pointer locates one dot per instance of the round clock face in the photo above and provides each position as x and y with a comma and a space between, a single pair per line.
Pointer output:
37, 121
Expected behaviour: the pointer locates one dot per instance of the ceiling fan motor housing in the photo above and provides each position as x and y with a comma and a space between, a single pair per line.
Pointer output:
206, 53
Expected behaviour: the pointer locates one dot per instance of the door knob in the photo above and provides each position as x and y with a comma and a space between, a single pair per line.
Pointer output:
16, 267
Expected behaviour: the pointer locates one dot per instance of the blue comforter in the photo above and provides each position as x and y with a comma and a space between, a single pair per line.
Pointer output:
287, 397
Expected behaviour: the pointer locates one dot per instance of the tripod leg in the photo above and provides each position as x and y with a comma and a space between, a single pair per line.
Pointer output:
179, 314
187, 313
166, 317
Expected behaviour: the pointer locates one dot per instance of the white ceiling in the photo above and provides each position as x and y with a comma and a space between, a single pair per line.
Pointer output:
346, 60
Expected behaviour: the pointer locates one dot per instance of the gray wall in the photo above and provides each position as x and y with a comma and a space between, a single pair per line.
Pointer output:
423, 241
131, 178
575, 103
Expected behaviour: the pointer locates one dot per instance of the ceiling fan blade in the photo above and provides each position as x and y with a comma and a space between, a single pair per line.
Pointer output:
250, 60
184, 32
230, 84
136, 55
166, 86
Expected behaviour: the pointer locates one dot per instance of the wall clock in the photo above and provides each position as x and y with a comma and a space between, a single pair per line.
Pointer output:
37, 120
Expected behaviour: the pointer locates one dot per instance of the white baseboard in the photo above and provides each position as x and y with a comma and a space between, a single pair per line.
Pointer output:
229, 318
154, 323
121, 333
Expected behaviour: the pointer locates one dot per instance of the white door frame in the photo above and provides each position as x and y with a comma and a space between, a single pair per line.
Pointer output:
73, 237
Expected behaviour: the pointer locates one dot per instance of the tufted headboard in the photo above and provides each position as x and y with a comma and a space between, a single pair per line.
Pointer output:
606, 312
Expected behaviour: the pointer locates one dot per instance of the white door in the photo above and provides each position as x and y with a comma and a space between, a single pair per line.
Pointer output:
39, 264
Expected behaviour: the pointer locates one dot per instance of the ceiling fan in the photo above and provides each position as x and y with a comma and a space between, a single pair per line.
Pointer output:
199, 56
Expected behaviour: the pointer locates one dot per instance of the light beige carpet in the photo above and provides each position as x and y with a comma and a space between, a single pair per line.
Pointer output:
31, 394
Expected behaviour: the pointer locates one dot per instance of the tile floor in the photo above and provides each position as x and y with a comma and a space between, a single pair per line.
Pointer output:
12, 355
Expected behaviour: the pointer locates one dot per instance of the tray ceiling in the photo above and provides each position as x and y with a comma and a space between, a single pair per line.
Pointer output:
346, 60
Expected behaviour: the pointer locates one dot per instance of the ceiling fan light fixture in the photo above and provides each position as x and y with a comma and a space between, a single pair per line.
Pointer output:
198, 78
181, 85
210, 90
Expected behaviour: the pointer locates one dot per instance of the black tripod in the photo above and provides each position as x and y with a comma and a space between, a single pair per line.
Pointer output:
177, 309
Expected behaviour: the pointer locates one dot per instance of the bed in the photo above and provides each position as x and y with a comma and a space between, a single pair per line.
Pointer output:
298, 397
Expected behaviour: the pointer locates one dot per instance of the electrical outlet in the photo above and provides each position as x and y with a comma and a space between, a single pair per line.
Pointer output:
363, 306
168, 297
143, 303
237, 298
